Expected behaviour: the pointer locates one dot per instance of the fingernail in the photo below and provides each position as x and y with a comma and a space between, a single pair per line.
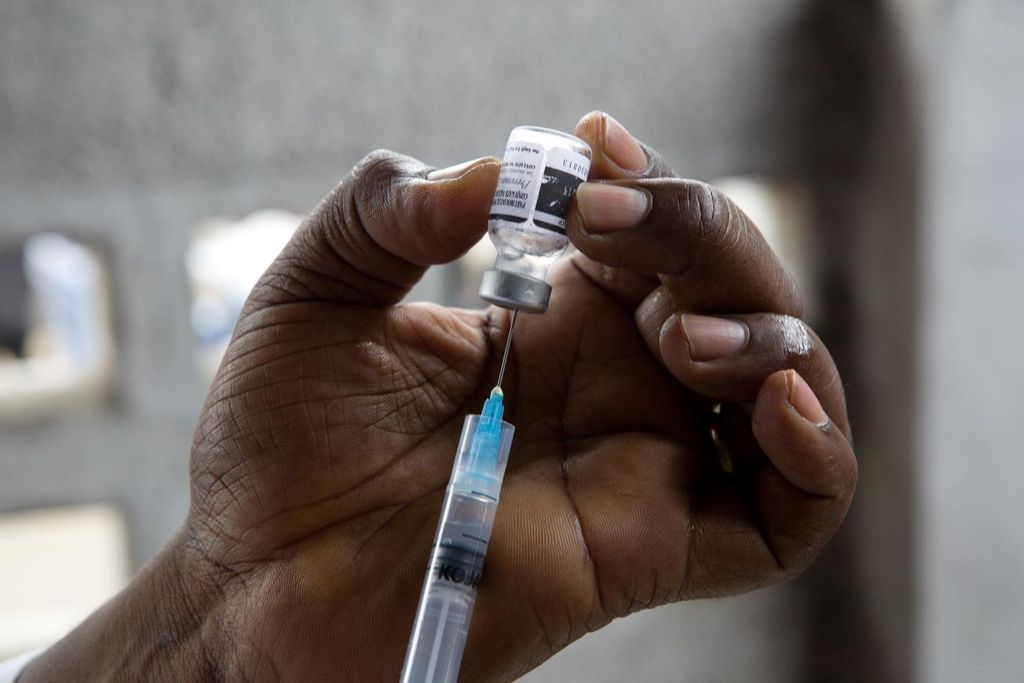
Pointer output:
712, 338
802, 397
611, 207
621, 147
455, 171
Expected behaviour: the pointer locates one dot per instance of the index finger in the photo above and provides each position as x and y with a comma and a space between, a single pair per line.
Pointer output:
705, 251
618, 155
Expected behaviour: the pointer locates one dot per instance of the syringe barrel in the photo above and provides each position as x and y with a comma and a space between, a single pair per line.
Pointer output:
457, 559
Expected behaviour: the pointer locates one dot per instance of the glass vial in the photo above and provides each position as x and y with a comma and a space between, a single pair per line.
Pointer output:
540, 172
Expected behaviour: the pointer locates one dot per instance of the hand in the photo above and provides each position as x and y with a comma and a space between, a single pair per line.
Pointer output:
680, 433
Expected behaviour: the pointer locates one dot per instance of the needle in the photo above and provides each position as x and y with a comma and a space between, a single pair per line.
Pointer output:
508, 347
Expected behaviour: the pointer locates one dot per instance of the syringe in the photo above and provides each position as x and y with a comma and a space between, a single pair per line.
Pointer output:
540, 172
460, 545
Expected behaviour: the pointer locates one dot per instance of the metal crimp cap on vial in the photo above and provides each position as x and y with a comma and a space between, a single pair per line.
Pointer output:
512, 290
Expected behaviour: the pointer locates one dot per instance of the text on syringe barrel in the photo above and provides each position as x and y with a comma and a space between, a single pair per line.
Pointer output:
459, 556
457, 559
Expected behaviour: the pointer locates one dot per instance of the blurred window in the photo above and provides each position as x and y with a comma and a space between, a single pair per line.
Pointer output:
59, 565
56, 346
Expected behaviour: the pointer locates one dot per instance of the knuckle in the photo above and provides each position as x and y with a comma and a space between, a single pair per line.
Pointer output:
372, 194
796, 337
374, 175
707, 209
377, 165
788, 339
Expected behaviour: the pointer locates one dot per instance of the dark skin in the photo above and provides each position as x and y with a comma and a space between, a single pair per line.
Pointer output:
322, 454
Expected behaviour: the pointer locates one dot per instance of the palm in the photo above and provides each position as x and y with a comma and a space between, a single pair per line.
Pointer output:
327, 442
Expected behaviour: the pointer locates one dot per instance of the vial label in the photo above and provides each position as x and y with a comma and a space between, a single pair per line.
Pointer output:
537, 184
564, 170
518, 182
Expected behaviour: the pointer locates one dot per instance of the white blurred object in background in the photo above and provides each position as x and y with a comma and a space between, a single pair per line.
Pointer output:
781, 210
224, 261
58, 565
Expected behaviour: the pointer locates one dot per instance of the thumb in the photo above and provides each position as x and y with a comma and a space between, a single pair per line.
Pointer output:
370, 240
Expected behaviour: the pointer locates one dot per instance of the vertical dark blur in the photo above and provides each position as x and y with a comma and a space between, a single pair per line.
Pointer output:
13, 303
861, 152
140, 143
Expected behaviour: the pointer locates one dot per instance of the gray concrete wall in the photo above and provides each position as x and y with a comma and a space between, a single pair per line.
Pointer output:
126, 124
971, 599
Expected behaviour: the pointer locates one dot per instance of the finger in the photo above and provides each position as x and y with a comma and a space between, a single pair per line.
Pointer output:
804, 497
706, 251
626, 287
617, 154
809, 459
370, 240
728, 358
796, 503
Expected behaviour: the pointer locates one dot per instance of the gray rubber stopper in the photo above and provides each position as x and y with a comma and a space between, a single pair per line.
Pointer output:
512, 290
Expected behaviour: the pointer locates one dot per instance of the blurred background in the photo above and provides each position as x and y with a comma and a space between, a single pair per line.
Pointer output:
154, 156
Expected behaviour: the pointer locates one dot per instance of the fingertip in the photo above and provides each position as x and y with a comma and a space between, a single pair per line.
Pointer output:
616, 153
449, 209
775, 388
590, 129
774, 408
467, 194
802, 398
796, 435
622, 149
612, 207
674, 347
708, 354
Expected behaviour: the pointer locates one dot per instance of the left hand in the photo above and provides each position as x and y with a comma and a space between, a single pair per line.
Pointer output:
326, 442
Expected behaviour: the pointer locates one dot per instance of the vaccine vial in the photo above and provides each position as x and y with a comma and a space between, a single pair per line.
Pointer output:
540, 172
